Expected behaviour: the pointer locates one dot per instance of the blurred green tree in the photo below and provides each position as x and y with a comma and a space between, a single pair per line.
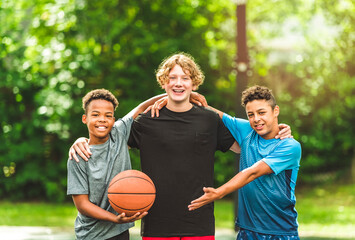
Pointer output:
53, 52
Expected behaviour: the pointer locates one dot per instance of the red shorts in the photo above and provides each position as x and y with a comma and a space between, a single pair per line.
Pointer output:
179, 238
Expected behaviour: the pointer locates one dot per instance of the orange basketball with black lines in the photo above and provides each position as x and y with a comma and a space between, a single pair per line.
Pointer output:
131, 191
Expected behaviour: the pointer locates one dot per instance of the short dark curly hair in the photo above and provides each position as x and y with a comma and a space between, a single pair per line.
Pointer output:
258, 93
99, 94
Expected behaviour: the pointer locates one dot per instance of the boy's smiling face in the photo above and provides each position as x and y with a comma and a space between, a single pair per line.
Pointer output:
99, 119
179, 86
262, 118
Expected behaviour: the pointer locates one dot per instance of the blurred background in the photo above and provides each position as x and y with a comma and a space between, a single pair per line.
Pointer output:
52, 52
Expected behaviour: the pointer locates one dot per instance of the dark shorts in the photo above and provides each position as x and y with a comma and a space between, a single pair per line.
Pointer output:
122, 236
250, 235
179, 238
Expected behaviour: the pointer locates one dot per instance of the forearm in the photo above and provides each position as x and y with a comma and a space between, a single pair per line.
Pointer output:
144, 105
91, 210
220, 113
244, 177
237, 182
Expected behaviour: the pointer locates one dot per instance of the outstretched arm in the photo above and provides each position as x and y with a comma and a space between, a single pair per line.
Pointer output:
89, 209
244, 177
81, 146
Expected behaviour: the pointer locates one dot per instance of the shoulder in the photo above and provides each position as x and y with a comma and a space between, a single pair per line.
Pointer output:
206, 111
229, 119
290, 143
75, 166
290, 146
143, 116
122, 125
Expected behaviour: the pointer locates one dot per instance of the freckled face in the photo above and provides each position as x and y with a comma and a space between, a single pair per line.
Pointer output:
99, 120
179, 86
262, 118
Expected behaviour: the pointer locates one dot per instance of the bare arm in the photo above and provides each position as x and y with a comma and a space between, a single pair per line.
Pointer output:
144, 105
285, 130
195, 98
244, 177
89, 209
235, 147
81, 146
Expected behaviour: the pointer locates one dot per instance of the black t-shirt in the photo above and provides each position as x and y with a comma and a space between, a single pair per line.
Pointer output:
177, 151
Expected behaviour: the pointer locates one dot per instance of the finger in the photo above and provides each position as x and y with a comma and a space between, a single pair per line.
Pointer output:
143, 215
80, 153
87, 148
195, 101
198, 200
148, 108
76, 158
153, 111
194, 206
84, 149
161, 105
70, 154
204, 102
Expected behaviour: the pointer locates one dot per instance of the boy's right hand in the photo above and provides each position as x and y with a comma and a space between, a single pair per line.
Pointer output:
81, 147
123, 219
155, 108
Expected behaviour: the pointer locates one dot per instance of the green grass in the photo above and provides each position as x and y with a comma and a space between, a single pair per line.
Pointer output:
326, 212
37, 214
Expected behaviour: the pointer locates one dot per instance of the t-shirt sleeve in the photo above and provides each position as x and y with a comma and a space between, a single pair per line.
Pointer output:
286, 155
123, 125
77, 177
134, 137
238, 127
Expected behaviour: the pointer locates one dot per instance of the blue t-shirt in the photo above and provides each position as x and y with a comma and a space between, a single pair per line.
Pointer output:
267, 204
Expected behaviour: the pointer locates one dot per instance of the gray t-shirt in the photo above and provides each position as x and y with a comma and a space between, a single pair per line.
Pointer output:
93, 177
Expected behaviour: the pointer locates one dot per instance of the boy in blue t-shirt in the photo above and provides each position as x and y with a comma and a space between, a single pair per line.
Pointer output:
268, 171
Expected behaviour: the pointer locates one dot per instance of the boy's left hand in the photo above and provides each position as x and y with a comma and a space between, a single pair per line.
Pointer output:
121, 218
195, 98
285, 131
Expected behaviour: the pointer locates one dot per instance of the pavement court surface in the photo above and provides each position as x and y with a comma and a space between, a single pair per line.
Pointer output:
50, 233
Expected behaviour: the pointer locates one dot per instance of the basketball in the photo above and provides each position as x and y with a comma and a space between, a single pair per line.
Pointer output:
131, 191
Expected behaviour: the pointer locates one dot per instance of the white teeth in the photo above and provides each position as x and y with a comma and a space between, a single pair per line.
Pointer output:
102, 127
178, 91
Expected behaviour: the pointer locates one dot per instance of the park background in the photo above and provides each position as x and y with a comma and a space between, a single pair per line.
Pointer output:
53, 52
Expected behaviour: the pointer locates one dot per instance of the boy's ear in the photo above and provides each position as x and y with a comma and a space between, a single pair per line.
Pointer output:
276, 111
83, 118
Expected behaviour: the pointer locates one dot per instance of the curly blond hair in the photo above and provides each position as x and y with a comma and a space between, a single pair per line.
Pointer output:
186, 62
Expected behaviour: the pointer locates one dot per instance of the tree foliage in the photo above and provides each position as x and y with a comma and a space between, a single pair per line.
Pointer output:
53, 52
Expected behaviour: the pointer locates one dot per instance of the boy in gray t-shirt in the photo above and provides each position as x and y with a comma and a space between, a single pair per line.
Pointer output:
88, 180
